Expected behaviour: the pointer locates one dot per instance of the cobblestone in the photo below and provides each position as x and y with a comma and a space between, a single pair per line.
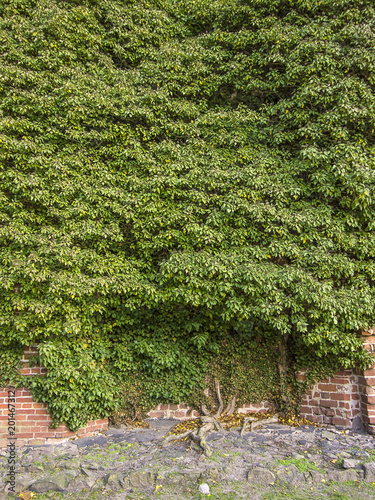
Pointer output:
125, 461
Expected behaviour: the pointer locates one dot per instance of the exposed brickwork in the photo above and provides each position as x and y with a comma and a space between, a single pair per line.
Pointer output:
367, 384
346, 400
33, 419
183, 412
334, 400
33, 422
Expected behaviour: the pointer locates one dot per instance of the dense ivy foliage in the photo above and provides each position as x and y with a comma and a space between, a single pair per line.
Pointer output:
173, 173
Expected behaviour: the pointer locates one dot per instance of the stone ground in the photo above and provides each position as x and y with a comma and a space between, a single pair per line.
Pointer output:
273, 462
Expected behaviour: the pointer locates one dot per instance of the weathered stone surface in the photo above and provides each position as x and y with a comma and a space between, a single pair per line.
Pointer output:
369, 469
142, 479
260, 475
21, 485
49, 483
118, 461
343, 475
350, 463
290, 474
113, 480
317, 477
329, 435
192, 476
297, 456
77, 484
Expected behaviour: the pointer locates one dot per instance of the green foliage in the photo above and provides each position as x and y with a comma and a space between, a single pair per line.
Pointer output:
10, 362
246, 368
172, 171
302, 464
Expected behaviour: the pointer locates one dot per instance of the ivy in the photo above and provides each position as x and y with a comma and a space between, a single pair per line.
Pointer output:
174, 172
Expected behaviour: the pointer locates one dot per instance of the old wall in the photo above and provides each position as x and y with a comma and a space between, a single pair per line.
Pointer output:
346, 400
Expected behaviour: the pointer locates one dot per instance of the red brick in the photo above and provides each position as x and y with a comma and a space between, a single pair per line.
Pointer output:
368, 399
367, 406
343, 422
24, 435
183, 406
316, 418
39, 418
30, 411
325, 381
339, 396
173, 407
195, 414
180, 414
328, 403
327, 387
369, 373
156, 414
317, 411
344, 405
45, 434
355, 397
339, 380
305, 409
164, 407
62, 428
24, 399
342, 373
314, 402
42, 411
25, 371
64, 434
366, 419
366, 333
307, 417
20, 418
370, 428
39, 406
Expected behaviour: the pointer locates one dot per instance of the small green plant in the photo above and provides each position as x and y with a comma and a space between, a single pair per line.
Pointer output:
302, 464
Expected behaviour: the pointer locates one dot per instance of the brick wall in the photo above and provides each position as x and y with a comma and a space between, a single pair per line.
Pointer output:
183, 412
33, 419
346, 400
334, 400
367, 384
